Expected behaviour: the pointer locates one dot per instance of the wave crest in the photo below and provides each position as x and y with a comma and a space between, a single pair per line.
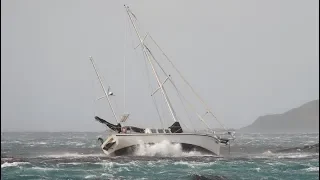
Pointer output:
164, 148
13, 164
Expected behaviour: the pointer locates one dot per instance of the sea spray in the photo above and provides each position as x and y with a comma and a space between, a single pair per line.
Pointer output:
164, 148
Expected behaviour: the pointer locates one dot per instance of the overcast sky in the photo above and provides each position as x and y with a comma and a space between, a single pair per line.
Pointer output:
245, 58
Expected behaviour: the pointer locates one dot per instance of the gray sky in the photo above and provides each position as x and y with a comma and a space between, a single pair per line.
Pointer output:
246, 58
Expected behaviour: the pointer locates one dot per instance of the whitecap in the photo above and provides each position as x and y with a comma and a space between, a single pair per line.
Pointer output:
312, 169
37, 143
71, 163
6, 164
293, 156
44, 169
268, 153
74, 143
194, 164
123, 169
106, 164
90, 176
181, 163
275, 163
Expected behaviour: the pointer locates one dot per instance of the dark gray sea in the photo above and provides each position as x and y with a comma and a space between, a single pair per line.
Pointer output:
78, 156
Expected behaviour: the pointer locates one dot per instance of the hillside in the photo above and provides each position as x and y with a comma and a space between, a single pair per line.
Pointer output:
302, 119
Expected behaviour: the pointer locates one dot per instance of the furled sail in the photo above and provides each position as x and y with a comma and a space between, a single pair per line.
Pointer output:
111, 126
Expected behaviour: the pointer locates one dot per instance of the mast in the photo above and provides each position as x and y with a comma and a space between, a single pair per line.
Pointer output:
104, 90
152, 66
124, 65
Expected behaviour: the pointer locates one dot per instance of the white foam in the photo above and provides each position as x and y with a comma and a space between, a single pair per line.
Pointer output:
181, 163
293, 156
6, 164
90, 176
106, 164
123, 169
275, 163
164, 148
194, 164
73, 155
72, 143
44, 169
312, 169
110, 164
107, 175
194, 153
36, 143
269, 154
71, 163
93, 146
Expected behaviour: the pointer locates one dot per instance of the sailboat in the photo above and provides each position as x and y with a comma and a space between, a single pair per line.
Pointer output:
124, 139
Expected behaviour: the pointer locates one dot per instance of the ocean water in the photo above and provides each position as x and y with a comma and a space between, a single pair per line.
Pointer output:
78, 156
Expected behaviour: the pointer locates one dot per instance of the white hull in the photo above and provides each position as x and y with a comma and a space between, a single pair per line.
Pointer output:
120, 143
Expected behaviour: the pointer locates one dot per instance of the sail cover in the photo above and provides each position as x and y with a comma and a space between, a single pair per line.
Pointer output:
111, 126
135, 129
176, 128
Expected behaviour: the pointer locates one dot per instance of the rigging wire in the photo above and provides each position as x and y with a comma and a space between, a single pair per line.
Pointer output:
130, 14
150, 87
149, 83
177, 89
202, 101
178, 92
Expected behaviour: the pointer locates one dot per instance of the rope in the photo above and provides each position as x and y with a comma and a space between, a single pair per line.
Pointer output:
172, 84
202, 101
150, 86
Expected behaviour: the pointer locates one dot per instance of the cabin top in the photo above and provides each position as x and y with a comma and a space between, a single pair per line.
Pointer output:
154, 131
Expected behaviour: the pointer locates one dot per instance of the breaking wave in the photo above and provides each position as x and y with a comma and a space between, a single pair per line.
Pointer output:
13, 164
164, 148
312, 169
269, 154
